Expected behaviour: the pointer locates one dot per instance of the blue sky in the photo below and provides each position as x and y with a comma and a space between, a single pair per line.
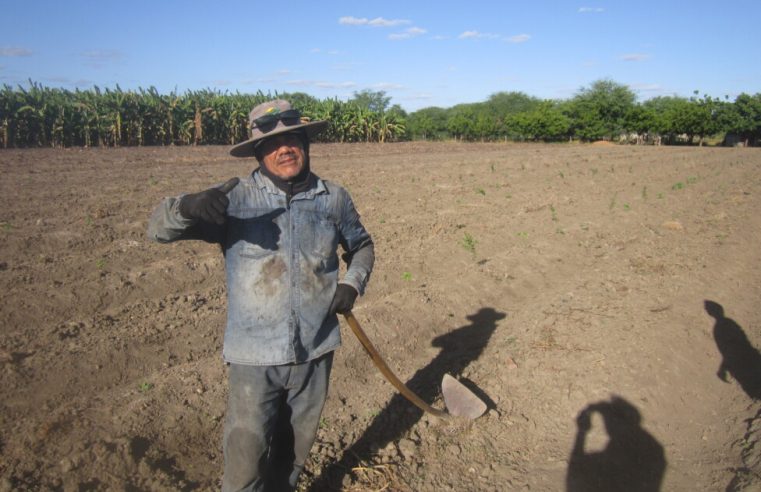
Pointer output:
422, 53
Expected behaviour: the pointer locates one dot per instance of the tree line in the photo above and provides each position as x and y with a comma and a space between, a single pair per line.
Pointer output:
605, 110
38, 116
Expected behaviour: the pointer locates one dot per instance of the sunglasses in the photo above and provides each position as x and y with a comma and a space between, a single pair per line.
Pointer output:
268, 122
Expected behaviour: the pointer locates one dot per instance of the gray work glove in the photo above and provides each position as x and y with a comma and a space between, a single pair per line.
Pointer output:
343, 300
208, 205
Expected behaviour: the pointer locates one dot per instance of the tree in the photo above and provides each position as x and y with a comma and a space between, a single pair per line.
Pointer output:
600, 110
745, 118
375, 101
508, 103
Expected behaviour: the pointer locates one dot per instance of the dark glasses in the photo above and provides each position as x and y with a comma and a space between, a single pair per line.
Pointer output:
268, 122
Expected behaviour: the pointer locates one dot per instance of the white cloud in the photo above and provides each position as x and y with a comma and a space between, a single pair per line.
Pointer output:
321, 84
635, 57
377, 22
518, 38
315, 50
12, 51
477, 35
387, 86
335, 85
590, 10
407, 34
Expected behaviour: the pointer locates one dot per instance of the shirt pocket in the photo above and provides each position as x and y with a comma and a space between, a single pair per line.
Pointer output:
323, 235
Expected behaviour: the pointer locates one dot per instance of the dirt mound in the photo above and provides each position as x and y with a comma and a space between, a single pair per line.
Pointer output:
566, 284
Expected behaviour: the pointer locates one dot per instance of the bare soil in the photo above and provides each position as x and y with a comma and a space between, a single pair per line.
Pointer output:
566, 284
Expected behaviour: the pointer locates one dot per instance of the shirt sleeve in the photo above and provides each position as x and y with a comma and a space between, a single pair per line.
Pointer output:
359, 252
167, 225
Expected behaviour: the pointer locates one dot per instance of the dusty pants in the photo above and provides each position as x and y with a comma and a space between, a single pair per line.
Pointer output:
273, 413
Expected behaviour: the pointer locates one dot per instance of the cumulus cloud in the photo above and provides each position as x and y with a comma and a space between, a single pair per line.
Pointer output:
377, 22
590, 10
14, 51
518, 38
635, 57
477, 35
407, 34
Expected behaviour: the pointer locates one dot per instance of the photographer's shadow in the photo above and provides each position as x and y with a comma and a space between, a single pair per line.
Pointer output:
459, 348
633, 460
739, 358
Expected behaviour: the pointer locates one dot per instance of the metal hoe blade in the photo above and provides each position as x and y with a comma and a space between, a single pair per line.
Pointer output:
460, 401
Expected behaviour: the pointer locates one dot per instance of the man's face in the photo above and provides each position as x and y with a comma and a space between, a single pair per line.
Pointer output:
283, 155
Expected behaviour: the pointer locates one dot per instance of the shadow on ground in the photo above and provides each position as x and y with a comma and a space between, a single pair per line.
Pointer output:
459, 348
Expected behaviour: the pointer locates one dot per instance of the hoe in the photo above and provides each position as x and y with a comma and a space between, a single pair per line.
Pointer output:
459, 400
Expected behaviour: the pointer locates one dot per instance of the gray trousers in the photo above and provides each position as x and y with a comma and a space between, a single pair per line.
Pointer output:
273, 413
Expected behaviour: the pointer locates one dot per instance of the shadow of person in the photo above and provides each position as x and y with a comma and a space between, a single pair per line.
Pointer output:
459, 348
633, 460
739, 358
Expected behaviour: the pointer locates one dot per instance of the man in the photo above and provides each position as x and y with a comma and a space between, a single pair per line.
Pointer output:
279, 229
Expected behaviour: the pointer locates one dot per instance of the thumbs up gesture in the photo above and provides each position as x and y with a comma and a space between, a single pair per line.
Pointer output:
208, 205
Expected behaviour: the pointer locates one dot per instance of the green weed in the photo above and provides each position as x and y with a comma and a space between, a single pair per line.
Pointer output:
677, 186
692, 179
145, 386
100, 263
7, 226
407, 276
469, 243
627, 207
554, 213
480, 191
523, 235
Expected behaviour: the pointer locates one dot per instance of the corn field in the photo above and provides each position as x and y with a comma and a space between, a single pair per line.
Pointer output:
38, 116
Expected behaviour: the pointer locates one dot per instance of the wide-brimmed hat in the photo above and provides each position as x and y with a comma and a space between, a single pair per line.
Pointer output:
273, 118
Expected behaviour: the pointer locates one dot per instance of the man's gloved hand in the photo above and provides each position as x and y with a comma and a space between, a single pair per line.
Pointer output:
209, 205
343, 300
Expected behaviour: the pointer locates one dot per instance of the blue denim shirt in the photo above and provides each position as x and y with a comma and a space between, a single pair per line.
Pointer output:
281, 266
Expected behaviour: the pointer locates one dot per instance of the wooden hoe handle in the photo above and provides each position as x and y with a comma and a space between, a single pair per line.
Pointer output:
386, 371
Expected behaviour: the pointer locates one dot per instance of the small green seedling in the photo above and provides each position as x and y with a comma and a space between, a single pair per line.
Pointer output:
677, 186
407, 276
469, 243
480, 191
145, 386
100, 263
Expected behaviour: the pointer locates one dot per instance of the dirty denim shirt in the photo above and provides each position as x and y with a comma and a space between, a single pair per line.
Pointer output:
281, 266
